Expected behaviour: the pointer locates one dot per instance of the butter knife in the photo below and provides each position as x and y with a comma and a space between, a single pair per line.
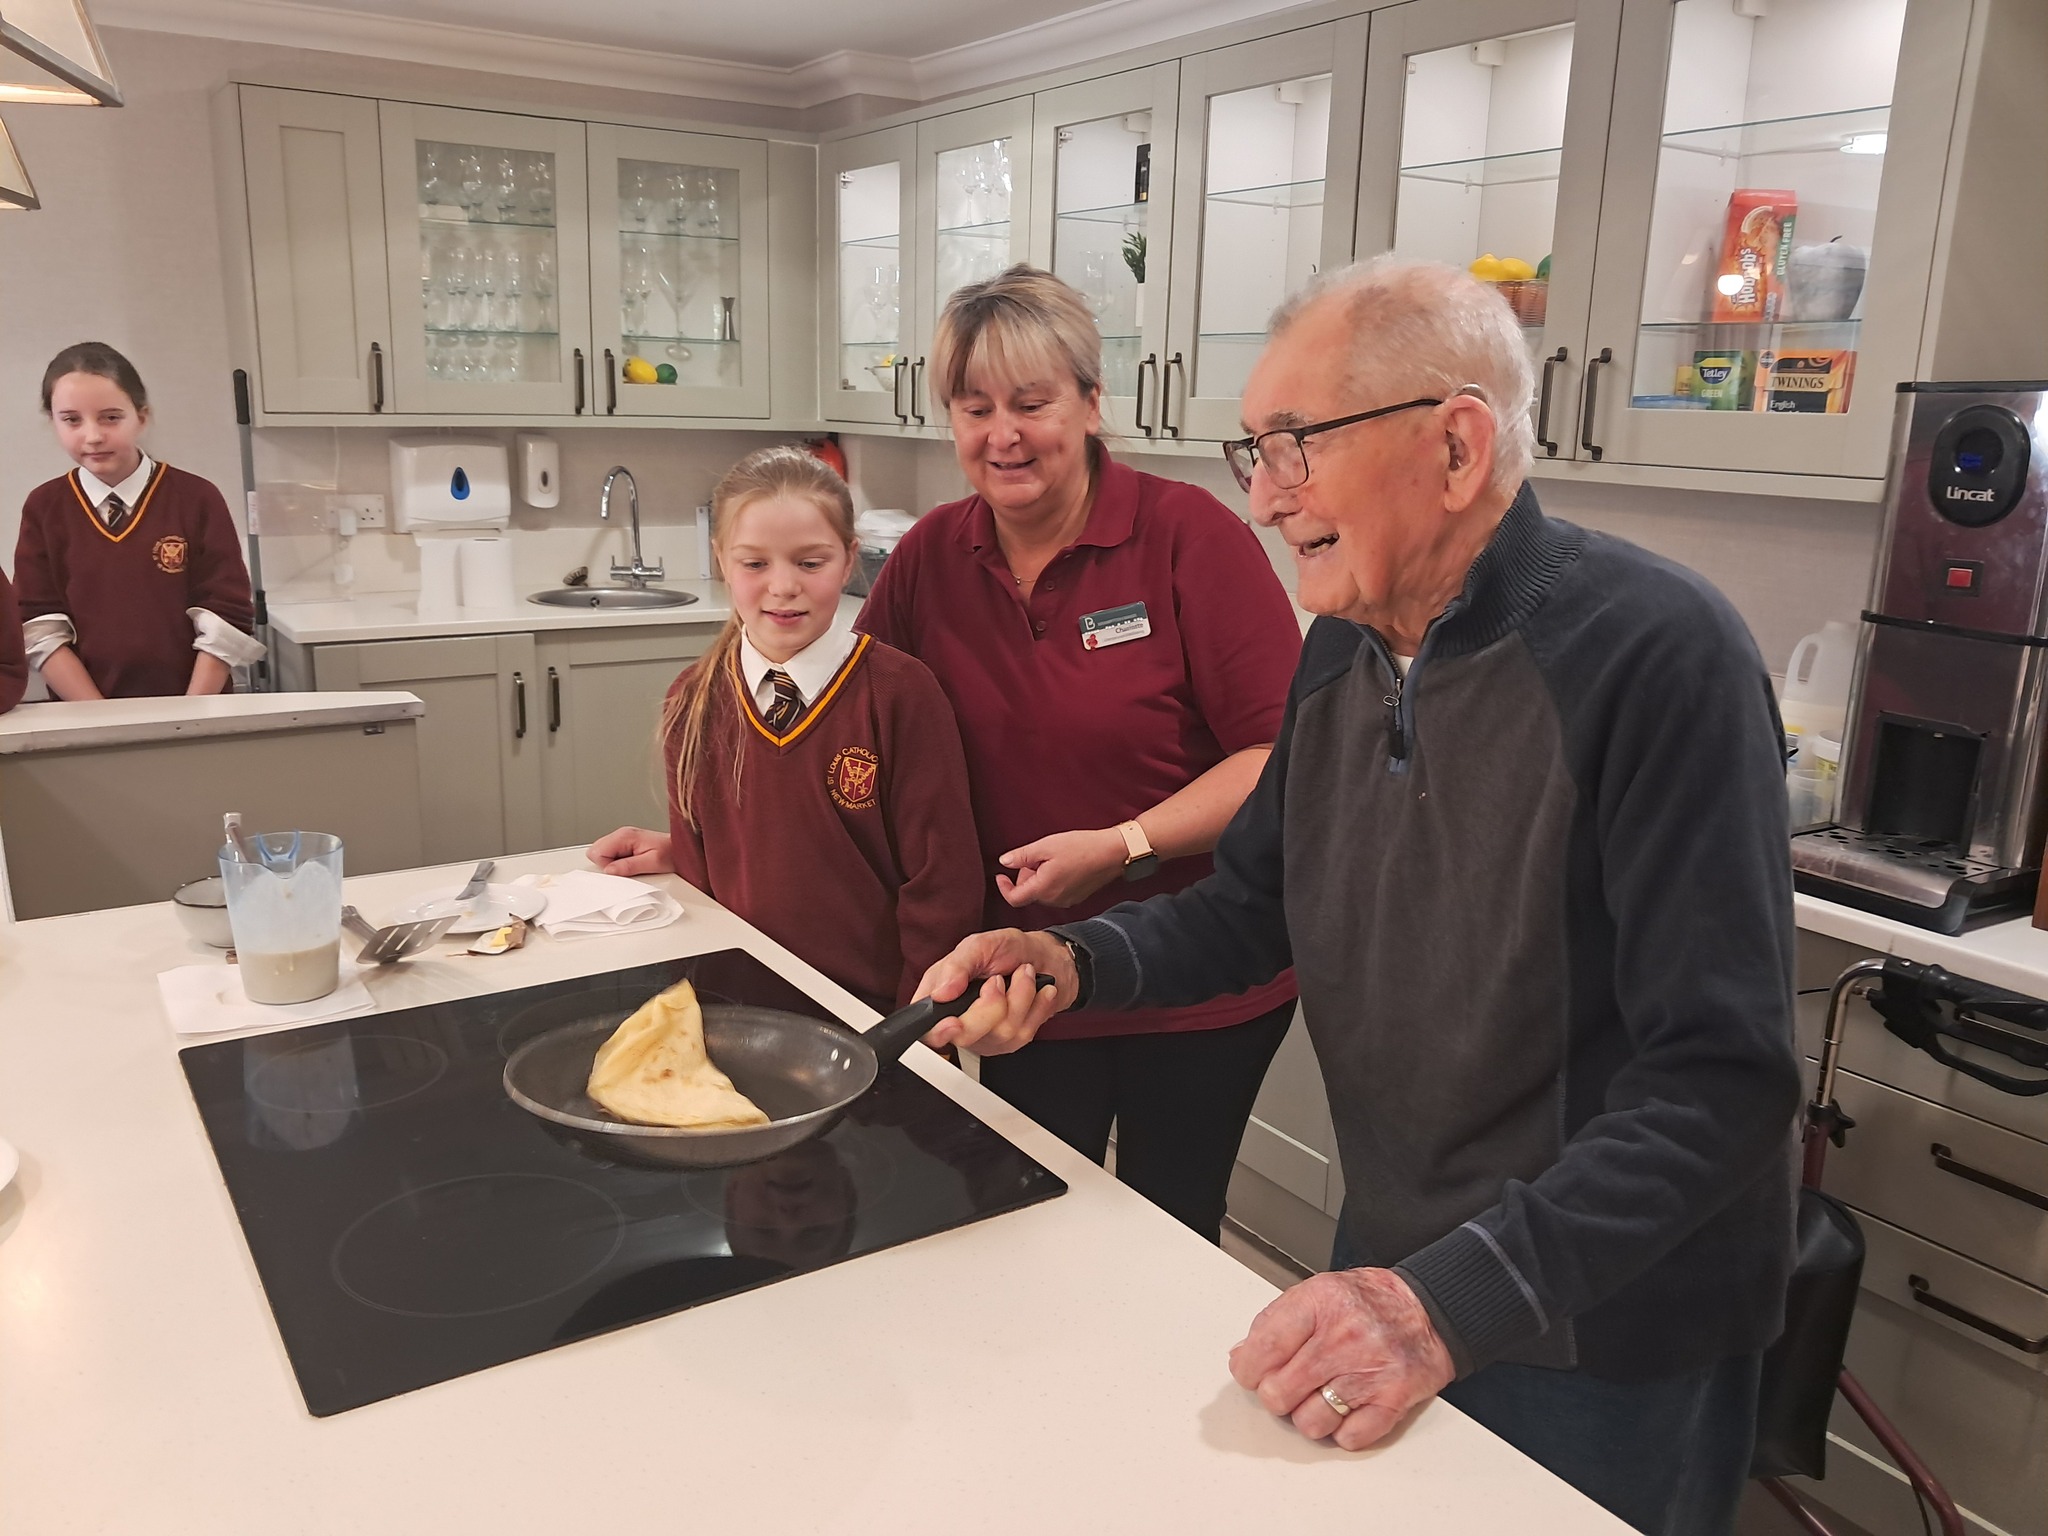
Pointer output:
477, 881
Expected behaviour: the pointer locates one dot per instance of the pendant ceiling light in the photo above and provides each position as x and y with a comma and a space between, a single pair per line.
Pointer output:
53, 56
16, 191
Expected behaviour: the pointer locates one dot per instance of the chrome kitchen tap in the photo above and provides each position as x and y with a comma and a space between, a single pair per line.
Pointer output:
639, 573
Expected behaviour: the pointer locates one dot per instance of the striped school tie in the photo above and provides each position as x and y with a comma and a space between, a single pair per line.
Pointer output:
788, 702
115, 511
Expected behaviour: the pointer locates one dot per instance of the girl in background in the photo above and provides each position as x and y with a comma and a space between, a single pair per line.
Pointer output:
816, 782
129, 572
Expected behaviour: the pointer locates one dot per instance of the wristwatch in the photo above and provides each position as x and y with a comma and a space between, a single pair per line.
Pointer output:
1141, 862
1084, 968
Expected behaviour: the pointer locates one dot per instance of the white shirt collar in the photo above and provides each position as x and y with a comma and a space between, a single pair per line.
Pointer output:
811, 669
130, 490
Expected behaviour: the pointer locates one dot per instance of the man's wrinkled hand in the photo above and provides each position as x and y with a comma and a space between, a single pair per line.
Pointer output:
1011, 1006
1359, 1332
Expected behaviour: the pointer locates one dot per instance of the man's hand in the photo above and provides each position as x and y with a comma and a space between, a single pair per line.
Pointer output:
1059, 870
1361, 1333
633, 851
1011, 1006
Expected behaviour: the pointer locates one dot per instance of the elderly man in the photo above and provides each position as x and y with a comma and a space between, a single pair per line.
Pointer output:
1523, 838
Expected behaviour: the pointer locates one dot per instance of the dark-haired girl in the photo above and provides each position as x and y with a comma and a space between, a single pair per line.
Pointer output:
129, 572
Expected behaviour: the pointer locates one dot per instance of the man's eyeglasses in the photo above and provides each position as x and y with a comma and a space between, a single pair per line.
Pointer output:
1281, 450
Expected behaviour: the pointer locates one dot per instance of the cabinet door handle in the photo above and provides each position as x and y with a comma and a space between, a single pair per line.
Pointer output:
554, 701
916, 388
1138, 410
1924, 1294
1945, 1160
376, 376
896, 392
1173, 365
1543, 403
1593, 367
518, 705
579, 381
611, 383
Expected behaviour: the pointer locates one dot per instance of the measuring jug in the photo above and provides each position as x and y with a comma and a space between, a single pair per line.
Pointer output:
284, 910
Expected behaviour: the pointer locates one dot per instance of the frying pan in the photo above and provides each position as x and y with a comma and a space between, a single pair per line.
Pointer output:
802, 1072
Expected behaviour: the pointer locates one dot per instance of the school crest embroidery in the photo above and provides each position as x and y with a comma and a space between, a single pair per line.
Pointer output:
854, 779
169, 554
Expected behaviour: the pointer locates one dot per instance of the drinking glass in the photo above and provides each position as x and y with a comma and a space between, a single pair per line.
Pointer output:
485, 285
544, 284
284, 911
512, 288
459, 273
433, 174
505, 189
707, 217
639, 201
504, 364
476, 367
675, 201
469, 171
636, 281
540, 189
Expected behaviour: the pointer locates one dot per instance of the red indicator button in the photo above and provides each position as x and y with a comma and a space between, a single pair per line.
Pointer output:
1961, 578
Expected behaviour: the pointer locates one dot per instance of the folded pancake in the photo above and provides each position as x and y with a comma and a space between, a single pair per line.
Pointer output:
655, 1071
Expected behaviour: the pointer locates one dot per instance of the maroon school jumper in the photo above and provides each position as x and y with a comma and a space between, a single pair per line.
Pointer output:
127, 592
851, 841
1061, 734
13, 652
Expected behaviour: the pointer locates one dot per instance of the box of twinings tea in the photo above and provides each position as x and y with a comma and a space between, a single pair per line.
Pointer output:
1807, 382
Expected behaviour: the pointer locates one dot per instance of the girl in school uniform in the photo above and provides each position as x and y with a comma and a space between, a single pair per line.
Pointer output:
817, 786
129, 573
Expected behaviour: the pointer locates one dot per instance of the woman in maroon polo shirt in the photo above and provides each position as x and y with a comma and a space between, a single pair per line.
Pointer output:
1118, 649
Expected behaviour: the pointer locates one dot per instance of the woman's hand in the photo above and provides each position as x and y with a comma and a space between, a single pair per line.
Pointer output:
634, 851
1011, 1006
1059, 870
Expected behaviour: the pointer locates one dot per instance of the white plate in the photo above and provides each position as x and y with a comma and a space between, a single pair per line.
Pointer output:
496, 907
10, 1164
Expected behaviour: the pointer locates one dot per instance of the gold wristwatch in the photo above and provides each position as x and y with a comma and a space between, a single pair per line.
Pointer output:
1140, 861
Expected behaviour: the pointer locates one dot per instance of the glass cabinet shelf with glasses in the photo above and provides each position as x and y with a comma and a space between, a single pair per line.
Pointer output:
678, 265
485, 218
1774, 180
866, 207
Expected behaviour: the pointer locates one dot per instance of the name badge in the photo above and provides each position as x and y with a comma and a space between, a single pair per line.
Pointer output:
1113, 626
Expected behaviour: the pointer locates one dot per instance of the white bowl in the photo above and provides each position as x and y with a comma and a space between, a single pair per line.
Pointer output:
202, 906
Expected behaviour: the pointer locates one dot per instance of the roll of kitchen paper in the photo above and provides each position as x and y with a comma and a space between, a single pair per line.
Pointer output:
487, 576
439, 584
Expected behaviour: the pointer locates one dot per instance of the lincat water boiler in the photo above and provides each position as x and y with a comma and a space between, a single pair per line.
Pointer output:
1941, 806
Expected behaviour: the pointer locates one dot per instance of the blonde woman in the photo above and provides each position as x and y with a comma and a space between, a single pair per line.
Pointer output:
816, 786
1118, 649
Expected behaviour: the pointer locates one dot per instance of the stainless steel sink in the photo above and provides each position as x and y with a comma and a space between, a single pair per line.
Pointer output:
613, 597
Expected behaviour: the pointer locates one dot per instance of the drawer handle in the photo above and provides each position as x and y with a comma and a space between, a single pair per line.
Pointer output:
376, 376
554, 701
1924, 1294
1173, 365
1543, 403
518, 705
917, 390
1945, 1160
579, 381
1138, 411
896, 391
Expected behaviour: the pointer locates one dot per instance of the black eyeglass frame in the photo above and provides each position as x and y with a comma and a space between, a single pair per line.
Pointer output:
1250, 445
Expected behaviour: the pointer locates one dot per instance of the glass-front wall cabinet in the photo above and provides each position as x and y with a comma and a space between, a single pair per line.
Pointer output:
678, 263
1768, 220
1102, 216
485, 217
867, 203
1266, 189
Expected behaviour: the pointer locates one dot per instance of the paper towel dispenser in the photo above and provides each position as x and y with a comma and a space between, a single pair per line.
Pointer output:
450, 483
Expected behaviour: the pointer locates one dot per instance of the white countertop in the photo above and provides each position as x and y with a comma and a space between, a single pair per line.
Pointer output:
2011, 953
1059, 1368
54, 725
395, 616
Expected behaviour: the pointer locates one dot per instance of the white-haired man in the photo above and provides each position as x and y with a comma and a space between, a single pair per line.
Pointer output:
1523, 839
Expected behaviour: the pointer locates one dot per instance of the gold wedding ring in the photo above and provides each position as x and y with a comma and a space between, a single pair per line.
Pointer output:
1337, 1404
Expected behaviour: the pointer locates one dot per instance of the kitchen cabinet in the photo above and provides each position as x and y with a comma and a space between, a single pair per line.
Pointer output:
487, 221
1102, 219
1265, 196
600, 706
679, 271
312, 228
481, 740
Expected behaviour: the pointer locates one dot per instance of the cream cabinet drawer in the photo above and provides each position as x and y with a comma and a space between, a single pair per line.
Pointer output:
1966, 1185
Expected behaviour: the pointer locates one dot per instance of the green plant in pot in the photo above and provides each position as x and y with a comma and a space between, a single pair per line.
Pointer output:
1134, 258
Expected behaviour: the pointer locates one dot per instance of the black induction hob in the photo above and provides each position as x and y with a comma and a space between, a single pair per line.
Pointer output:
411, 1223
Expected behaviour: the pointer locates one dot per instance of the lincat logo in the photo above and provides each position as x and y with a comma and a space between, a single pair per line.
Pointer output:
1958, 493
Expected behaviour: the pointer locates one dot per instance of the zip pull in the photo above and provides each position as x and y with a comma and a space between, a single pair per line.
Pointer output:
1397, 745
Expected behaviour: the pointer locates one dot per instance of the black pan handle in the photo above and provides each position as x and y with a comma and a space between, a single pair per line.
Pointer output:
912, 1022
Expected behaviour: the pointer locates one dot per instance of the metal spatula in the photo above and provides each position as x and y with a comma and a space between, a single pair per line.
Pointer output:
396, 942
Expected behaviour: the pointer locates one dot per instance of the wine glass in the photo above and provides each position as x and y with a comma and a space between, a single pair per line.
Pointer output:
504, 362
485, 285
544, 283
540, 188
636, 281
505, 189
469, 172
433, 174
512, 286
458, 272
638, 205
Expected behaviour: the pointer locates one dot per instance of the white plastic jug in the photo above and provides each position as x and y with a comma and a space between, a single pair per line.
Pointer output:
1815, 700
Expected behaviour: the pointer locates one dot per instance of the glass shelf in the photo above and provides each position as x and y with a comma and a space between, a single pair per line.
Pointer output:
1746, 329
995, 229
1234, 338
447, 216
1126, 214
694, 341
433, 330
1286, 194
872, 243
1490, 170
671, 234
1817, 133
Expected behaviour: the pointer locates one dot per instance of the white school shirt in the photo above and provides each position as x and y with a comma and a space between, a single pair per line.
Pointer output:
811, 669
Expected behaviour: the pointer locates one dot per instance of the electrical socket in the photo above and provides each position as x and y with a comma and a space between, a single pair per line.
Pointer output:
368, 510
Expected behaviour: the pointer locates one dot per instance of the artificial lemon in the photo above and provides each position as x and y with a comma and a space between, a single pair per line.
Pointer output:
1489, 268
639, 371
1515, 270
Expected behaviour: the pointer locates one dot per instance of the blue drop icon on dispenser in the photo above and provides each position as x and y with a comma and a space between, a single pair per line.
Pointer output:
458, 484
